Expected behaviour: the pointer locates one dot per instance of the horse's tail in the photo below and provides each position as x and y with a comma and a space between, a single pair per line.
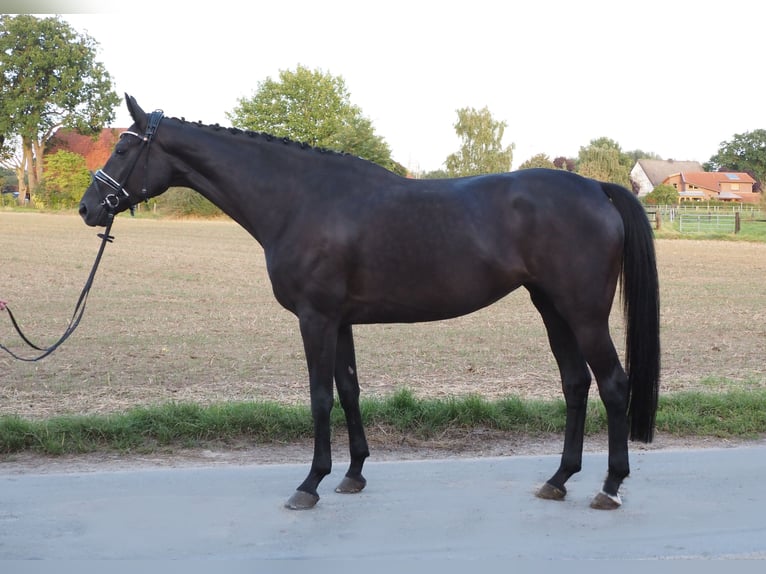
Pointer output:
641, 303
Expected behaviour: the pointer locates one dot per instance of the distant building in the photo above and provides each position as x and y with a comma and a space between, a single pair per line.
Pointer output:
649, 173
717, 185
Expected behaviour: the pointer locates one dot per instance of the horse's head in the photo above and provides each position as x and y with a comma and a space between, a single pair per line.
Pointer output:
133, 173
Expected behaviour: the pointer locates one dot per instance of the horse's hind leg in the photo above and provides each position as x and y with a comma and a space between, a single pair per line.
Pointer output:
575, 380
614, 391
347, 382
599, 351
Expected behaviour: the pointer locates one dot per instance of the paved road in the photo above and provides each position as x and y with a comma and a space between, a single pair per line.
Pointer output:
702, 503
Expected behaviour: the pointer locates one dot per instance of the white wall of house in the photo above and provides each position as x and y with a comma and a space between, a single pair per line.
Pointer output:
639, 177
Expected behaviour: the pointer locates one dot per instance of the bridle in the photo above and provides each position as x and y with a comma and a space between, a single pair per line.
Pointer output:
111, 200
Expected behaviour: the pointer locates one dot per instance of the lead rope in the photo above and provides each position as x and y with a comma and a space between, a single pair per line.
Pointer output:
79, 309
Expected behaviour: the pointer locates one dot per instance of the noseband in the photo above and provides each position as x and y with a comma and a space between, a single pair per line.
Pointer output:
111, 200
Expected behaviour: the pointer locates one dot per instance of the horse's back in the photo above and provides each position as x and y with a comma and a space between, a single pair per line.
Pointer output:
531, 223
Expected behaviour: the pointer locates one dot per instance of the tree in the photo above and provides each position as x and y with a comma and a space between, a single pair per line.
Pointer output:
312, 107
482, 150
7, 185
11, 160
566, 163
745, 153
663, 194
5, 175
50, 79
638, 154
539, 160
435, 174
66, 176
604, 160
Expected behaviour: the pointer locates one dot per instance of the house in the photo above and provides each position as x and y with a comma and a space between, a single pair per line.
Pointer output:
715, 185
649, 173
95, 150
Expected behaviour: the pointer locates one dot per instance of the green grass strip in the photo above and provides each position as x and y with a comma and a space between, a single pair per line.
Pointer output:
731, 414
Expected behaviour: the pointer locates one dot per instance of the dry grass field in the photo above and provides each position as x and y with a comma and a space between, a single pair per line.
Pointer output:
183, 311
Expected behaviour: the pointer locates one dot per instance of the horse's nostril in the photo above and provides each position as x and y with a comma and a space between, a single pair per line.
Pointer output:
83, 210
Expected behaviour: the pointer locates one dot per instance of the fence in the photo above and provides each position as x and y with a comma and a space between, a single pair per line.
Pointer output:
702, 217
709, 222
747, 211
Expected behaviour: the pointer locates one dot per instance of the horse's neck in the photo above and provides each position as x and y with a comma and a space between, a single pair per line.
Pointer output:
241, 175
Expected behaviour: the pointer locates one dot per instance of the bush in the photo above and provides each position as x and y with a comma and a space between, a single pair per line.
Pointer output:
663, 194
66, 176
185, 202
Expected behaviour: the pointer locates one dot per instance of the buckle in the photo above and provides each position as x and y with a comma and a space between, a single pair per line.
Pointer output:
111, 201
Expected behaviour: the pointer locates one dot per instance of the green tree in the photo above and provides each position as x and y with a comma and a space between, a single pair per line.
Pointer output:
50, 79
482, 149
604, 160
745, 153
66, 175
539, 160
638, 154
663, 194
11, 158
6, 175
7, 179
435, 174
313, 107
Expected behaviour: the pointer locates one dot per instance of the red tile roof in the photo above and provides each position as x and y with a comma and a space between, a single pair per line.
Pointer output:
712, 180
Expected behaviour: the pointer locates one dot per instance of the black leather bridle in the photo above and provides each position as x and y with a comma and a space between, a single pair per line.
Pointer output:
111, 200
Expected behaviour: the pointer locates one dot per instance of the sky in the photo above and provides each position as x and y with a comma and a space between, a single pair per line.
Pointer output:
672, 77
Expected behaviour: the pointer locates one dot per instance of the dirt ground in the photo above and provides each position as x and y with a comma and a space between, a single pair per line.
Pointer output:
195, 321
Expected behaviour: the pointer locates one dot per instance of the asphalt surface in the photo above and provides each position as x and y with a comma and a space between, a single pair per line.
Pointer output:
677, 504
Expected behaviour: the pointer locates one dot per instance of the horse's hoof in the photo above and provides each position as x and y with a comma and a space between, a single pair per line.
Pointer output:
302, 501
550, 492
351, 485
604, 501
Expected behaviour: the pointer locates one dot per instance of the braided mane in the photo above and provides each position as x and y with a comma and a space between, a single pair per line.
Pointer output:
268, 137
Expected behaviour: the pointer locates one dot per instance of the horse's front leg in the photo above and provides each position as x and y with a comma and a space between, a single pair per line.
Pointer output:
319, 340
347, 382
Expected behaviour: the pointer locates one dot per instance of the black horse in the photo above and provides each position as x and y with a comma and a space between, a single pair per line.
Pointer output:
348, 242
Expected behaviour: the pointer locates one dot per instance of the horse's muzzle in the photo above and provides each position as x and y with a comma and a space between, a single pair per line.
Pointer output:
93, 215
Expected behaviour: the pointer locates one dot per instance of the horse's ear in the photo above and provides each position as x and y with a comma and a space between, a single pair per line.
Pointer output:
138, 115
